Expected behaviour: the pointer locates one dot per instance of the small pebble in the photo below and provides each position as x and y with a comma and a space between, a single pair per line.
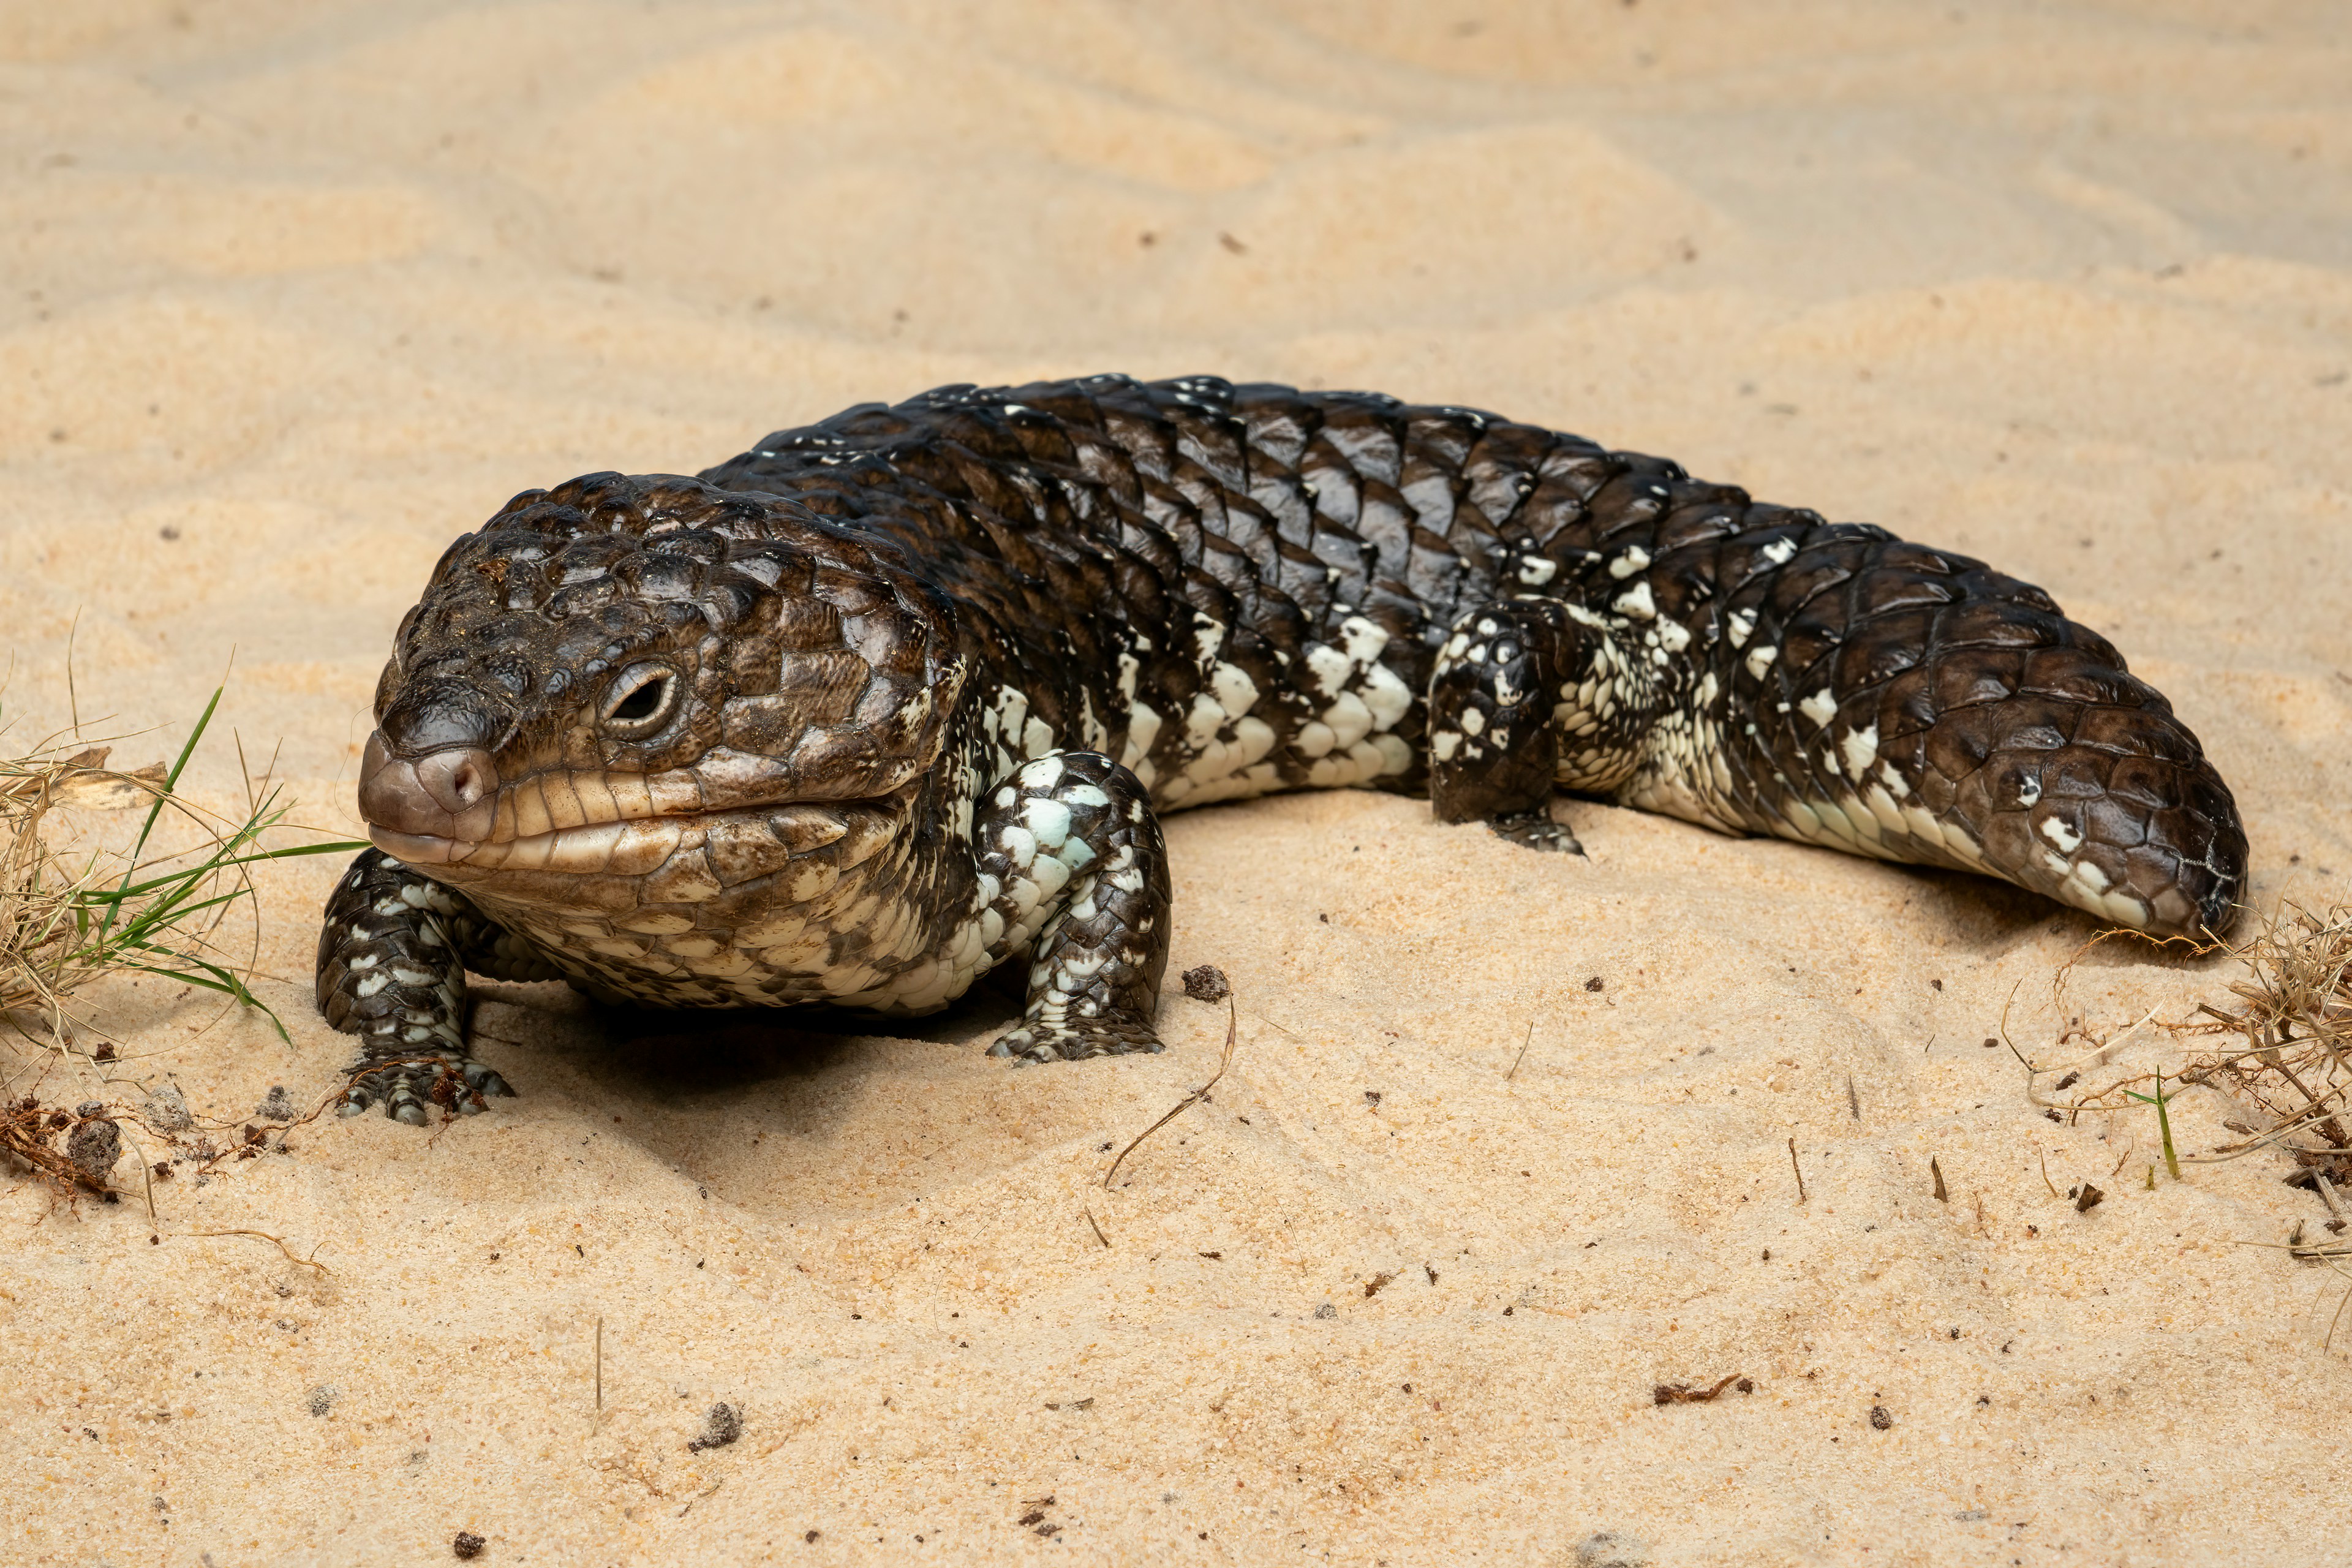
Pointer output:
721, 1427
167, 1109
94, 1145
1207, 984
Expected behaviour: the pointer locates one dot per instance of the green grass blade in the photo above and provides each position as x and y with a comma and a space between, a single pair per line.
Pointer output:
2164, 1125
135, 929
339, 846
221, 979
2161, 1101
171, 782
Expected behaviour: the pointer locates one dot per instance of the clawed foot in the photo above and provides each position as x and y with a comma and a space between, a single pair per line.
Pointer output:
1076, 1040
406, 1087
1536, 830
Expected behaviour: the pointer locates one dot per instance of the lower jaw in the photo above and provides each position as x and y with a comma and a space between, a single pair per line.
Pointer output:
415, 850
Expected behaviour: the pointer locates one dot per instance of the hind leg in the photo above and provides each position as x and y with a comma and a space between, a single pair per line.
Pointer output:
1528, 696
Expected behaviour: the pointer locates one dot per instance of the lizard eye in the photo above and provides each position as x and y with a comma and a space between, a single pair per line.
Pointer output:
641, 700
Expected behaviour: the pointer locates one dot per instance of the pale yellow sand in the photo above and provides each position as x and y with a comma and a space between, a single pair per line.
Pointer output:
295, 293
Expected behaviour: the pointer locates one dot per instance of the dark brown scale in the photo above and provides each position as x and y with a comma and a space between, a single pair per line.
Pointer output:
1231, 590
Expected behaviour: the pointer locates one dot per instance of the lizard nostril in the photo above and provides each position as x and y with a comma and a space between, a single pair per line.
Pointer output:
458, 779
468, 783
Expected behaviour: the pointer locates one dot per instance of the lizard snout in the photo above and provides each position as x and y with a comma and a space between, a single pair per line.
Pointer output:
450, 794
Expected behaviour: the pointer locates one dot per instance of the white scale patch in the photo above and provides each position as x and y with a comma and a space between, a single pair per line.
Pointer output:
1329, 666
1635, 603
1861, 747
1007, 723
2058, 833
1347, 743
1208, 637
1144, 723
1363, 639
1780, 552
1236, 693
1682, 771
1386, 696
1820, 708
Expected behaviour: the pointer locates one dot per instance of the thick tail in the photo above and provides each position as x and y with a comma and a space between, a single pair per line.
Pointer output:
1922, 707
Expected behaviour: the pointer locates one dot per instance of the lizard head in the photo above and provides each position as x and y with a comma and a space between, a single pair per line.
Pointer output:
627, 678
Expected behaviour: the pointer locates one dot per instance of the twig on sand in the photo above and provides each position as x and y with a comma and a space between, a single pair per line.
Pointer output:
309, 1262
1799, 1169
1523, 1052
2327, 1195
1684, 1394
1232, 1024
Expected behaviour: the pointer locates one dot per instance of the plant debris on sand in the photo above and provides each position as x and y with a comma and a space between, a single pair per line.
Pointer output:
64, 923
1689, 1394
29, 1133
2290, 1074
70, 918
2295, 1018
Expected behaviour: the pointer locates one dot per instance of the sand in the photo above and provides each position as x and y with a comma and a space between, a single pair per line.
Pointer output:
296, 293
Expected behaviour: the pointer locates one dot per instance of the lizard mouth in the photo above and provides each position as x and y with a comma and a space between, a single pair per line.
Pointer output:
748, 839
450, 808
606, 848
451, 814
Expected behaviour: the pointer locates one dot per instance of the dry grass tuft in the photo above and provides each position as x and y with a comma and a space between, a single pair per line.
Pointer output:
70, 918
2296, 1019
67, 921
2287, 1074
2291, 1077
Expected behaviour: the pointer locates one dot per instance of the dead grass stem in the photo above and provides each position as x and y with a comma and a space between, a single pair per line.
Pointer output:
1232, 1024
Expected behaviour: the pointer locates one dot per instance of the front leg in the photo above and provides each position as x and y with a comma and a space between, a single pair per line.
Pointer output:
1529, 695
393, 957
1072, 872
